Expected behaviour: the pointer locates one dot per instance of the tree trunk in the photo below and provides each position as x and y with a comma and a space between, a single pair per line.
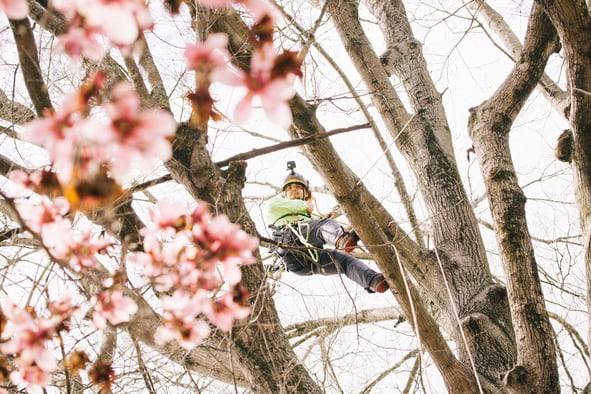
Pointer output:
489, 126
263, 352
460, 261
573, 23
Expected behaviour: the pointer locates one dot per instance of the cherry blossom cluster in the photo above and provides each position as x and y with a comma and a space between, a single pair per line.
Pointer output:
77, 247
28, 338
121, 22
94, 140
270, 78
92, 156
193, 260
31, 341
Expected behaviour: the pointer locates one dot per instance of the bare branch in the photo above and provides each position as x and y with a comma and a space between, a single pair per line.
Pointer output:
288, 144
554, 93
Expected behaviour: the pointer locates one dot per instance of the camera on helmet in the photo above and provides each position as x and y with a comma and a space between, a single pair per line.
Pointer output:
291, 165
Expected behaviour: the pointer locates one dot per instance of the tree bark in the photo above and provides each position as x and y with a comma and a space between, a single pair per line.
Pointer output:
353, 197
489, 127
262, 350
573, 23
550, 89
29, 61
477, 302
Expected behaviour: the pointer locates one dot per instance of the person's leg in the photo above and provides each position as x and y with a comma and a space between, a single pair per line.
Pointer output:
333, 263
298, 264
329, 231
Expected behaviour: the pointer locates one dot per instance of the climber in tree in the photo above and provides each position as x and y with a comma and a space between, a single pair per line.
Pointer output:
302, 237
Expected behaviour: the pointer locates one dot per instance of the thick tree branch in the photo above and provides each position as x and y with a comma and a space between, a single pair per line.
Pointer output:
573, 22
553, 93
14, 113
427, 145
489, 127
353, 197
158, 93
363, 317
29, 61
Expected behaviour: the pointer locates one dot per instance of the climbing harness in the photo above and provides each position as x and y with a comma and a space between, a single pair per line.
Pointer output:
293, 238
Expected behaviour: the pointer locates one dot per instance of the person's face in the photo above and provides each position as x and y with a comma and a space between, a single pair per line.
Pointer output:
294, 191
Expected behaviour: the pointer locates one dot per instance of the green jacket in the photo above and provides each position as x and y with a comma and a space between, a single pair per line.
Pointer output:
282, 211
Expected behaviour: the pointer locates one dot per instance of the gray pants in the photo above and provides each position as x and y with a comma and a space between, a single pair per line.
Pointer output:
302, 260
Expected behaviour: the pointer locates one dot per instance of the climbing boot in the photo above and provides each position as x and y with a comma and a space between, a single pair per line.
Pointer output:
348, 241
378, 284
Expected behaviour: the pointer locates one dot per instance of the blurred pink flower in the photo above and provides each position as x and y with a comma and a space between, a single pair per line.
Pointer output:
258, 9
141, 138
46, 219
169, 213
119, 20
54, 133
15, 9
26, 333
26, 337
225, 311
81, 43
272, 91
32, 377
188, 333
215, 3
181, 322
209, 53
83, 248
112, 306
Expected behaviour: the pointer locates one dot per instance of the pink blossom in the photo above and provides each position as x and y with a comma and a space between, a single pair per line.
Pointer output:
15, 9
226, 311
168, 213
258, 9
181, 323
112, 306
182, 303
83, 248
188, 334
25, 182
222, 236
64, 307
141, 137
32, 377
54, 134
215, 3
59, 132
273, 92
25, 337
209, 53
125, 103
46, 219
81, 43
165, 220
119, 20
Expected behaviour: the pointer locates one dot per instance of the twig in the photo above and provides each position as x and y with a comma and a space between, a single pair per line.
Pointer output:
288, 144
